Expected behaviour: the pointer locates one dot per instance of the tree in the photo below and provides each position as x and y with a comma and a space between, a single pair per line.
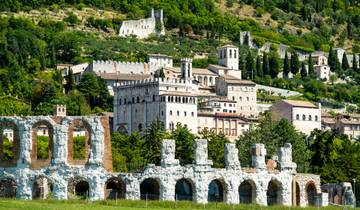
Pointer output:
294, 63
274, 64
184, 141
153, 137
259, 71
250, 65
286, 67
344, 63
265, 67
70, 81
273, 134
311, 70
303, 72
216, 145
242, 66
89, 86
355, 63
162, 74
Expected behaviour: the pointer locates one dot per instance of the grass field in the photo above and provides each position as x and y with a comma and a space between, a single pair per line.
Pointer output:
133, 205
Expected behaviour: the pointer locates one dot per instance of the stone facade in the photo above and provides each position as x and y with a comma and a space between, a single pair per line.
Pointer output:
143, 28
95, 181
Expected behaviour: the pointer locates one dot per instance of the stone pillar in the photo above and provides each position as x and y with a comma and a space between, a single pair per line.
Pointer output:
23, 187
258, 152
168, 154
261, 190
25, 143
286, 193
232, 194
285, 158
60, 152
167, 188
97, 143
60, 189
231, 157
201, 153
96, 188
324, 199
132, 188
201, 187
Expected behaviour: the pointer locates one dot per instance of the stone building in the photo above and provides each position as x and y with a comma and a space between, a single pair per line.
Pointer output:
304, 116
143, 28
323, 72
348, 124
27, 177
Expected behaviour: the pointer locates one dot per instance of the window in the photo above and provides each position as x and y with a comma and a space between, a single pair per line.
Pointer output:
247, 98
140, 127
124, 100
310, 118
171, 126
185, 114
297, 117
192, 114
137, 99
162, 113
120, 101
154, 97
178, 113
316, 118
233, 98
133, 100
170, 112
304, 117
240, 98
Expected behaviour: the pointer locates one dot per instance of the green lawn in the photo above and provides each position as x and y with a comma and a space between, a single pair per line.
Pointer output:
125, 204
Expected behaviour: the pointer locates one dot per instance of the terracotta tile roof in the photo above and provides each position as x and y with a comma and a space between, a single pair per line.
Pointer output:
233, 80
306, 104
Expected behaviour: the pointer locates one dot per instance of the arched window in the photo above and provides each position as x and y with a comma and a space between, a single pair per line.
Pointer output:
310, 118
170, 112
297, 117
137, 99
183, 190
178, 113
216, 191
234, 53
230, 53
304, 117
185, 113
150, 189
171, 126
120, 101
154, 97
192, 114
124, 100
133, 100
140, 127
316, 118
233, 98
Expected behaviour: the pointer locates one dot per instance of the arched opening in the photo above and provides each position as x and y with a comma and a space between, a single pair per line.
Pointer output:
247, 192
42, 188
78, 188
216, 191
183, 190
297, 194
79, 142
149, 189
7, 188
9, 144
115, 188
274, 193
311, 194
42, 135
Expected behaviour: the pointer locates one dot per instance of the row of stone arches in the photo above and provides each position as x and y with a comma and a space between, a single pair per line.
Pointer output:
42, 147
310, 194
115, 188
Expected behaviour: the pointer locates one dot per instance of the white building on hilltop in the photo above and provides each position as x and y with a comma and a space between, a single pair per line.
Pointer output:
144, 27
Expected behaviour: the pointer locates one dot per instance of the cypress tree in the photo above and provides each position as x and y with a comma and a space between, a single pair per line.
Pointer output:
250, 65
332, 59
286, 68
259, 71
266, 70
294, 63
274, 64
354, 63
344, 63
303, 71
162, 74
242, 66
311, 70
70, 82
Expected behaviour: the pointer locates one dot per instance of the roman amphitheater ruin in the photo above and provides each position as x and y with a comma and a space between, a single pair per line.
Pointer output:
26, 176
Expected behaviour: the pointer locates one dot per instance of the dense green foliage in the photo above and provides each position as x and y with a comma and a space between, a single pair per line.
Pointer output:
8, 147
42, 149
273, 134
79, 147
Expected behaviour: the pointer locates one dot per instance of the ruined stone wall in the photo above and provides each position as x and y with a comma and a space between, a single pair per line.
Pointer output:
66, 176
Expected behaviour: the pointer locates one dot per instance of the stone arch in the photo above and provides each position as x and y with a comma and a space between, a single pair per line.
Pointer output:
9, 147
150, 189
247, 192
115, 188
42, 187
42, 144
216, 189
311, 192
7, 187
79, 135
79, 188
274, 193
184, 189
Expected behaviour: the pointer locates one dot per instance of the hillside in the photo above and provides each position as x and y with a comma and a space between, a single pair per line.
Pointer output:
37, 35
